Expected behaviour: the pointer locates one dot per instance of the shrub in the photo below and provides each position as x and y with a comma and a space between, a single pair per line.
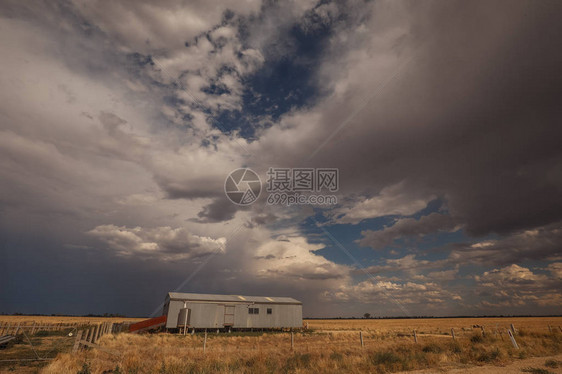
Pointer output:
476, 338
336, 356
536, 371
85, 369
489, 356
432, 348
298, 360
456, 348
385, 358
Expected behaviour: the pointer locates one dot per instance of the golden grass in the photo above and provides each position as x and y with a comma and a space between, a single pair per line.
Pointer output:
56, 319
434, 325
389, 347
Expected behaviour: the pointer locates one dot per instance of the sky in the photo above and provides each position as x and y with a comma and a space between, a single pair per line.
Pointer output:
120, 122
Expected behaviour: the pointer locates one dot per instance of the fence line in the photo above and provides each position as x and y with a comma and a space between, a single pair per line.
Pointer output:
90, 337
87, 335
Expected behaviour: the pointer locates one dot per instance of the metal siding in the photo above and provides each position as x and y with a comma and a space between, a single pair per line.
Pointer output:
206, 315
287, 312
282, 316
184, 317
173, 312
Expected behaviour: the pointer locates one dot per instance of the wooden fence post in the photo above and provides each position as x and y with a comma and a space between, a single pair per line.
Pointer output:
94, 334
415, 336
17, 329
550, 329
77, 341
205, 342
33, 328
512, 329
483, 332
512, 339
91, 334
453, 333
292, 340
361, 338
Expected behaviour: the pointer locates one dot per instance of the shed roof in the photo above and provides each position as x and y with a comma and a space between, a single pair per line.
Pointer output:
232, 298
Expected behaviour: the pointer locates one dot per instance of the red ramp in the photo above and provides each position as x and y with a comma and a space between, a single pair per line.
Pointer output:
148, 324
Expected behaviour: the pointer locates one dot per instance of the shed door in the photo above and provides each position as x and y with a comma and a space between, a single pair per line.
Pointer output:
228, 315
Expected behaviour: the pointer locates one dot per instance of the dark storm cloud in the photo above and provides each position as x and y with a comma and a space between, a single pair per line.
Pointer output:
542, 243
221, 209
474, 117
407, 228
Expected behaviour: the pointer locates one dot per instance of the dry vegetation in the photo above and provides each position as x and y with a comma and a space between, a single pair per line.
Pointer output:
60, 319
332, 346
434, 325
47, 340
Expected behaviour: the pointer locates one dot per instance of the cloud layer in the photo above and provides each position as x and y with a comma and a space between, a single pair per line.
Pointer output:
119, 122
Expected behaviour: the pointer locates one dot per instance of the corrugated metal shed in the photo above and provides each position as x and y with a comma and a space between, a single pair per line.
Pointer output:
231, 311
232, 298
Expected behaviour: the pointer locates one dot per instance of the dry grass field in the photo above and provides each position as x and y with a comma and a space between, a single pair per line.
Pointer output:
43, 337
329, 346
57, 319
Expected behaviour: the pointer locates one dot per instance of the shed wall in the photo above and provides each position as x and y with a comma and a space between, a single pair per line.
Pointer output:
212, 315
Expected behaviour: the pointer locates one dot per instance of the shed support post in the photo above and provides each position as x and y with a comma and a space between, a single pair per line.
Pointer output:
205, 342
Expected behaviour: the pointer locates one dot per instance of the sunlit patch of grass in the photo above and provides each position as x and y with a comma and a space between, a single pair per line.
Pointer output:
536, 370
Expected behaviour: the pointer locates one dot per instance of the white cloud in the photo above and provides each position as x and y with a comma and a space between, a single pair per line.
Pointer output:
147, 27
160, 243
513, 274
430, 295
294, 258
392, 200
516, 285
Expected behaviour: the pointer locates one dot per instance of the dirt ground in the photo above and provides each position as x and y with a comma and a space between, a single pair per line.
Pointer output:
529, 365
